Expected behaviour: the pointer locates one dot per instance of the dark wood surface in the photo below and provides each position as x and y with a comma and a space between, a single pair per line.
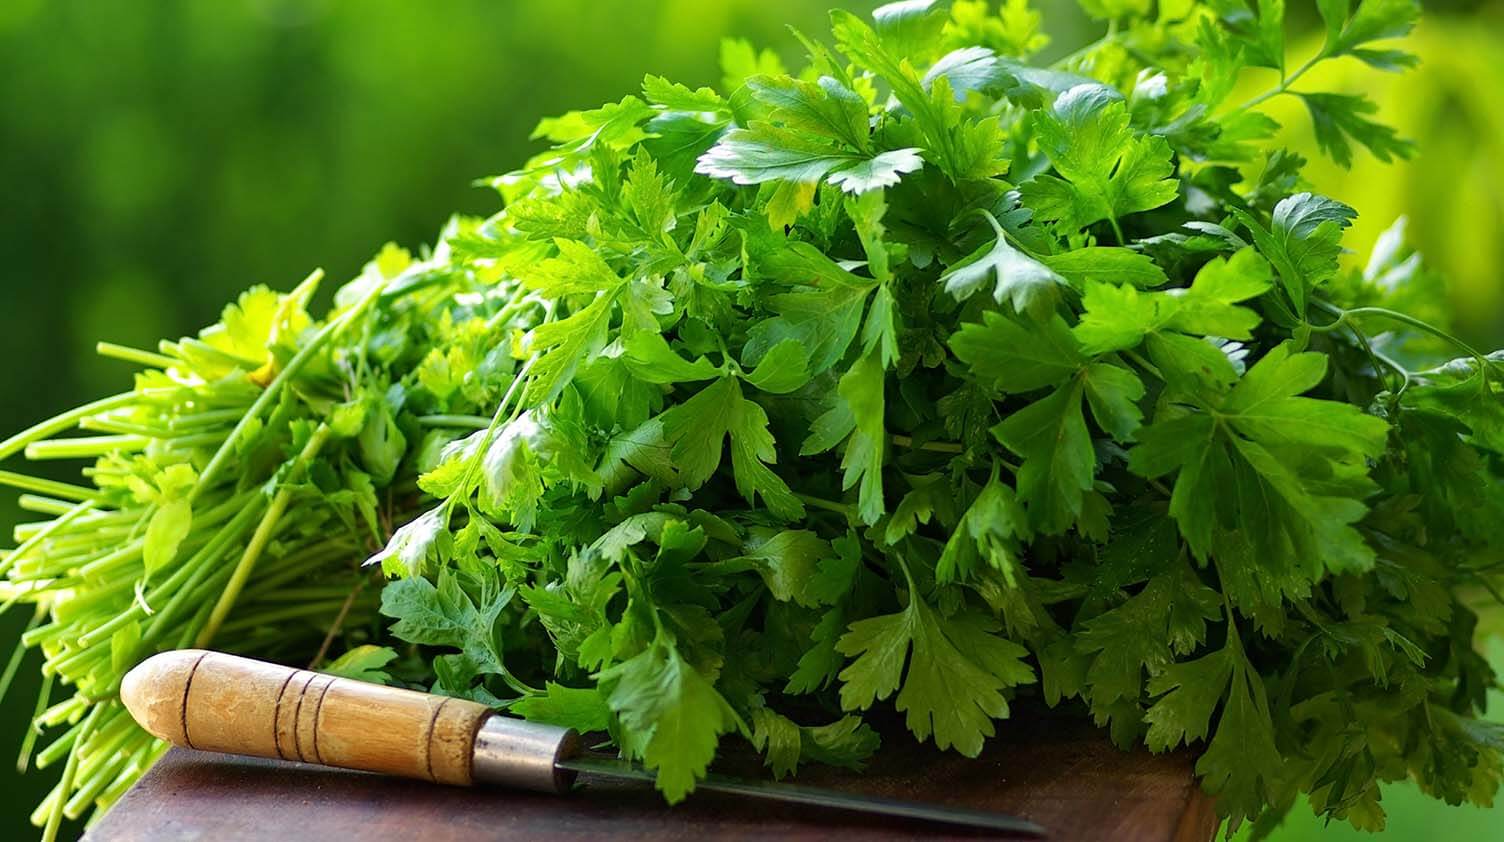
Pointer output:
1073, 782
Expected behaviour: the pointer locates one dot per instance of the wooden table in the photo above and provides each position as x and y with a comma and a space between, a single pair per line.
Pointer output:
1064, 777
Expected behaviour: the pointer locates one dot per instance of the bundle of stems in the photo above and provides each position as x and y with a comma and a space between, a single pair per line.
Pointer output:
222, 507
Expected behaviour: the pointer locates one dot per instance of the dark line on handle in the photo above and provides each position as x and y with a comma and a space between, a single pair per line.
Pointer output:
317, 709
277, 716
297, 718
187, 688
428, 739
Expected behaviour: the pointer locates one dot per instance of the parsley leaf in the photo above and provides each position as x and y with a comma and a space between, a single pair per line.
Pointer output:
945, 692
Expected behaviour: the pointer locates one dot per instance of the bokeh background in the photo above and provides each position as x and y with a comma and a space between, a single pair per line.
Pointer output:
158, 157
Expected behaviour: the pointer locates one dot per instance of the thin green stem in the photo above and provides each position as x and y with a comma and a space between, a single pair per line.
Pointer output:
1411, 321
43, 534
58, 423
1139, 360
259, 539
29, 742
134, 355
935, 446
84, 447
472, 422
70, 771
1117, 230
827, 505
1285, 83
50, 488
19, 653
1345, 315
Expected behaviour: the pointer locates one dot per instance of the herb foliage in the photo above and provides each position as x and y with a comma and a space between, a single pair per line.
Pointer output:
923, 378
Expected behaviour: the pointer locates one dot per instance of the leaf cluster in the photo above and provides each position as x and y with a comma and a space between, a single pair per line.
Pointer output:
924, 377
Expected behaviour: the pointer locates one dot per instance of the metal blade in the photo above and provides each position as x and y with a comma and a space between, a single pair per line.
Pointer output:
816, 797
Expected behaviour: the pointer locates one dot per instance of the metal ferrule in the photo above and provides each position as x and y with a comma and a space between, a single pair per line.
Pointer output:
519, 754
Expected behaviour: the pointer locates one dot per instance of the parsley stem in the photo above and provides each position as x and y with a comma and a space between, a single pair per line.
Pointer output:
935, 446
475, 422
36, 539
70, 771
259, 539
59, 423
29, 742
125, 353
1285, 83
1393, 315
1138, 359
339, 620
19, 653
1117, 230
47, 487
84, 447
828, 505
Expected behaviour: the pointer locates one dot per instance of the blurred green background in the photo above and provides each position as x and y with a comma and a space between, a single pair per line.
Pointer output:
158, 157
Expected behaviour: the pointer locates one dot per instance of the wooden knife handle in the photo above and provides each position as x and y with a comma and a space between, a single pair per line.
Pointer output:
218, 702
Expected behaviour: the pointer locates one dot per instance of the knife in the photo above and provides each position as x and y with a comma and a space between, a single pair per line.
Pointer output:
211, 701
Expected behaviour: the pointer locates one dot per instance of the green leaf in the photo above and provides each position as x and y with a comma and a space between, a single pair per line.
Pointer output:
1107, 170
1142, 634
1058, 460
858, 419
963, 148
648, 356
1242, 765
945, 692
363, 663
788, 564
822, 322
1113, 393
813, 131
578, 270
784, 368
1014, 276
412, 545
825, 108
1106, 264
1119, 317
671, 713
1292, 468
697, 430
1374, 20
766, 153
169, 525
1303, 240
581, 708
990, 533
676, 97
1016, 356
382, 444
446, 615
847, 742
1189, 693
910, 27
562, 346
1468, 391
1342, 119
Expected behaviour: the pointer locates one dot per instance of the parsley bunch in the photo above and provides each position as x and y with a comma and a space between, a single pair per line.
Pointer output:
925, 378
